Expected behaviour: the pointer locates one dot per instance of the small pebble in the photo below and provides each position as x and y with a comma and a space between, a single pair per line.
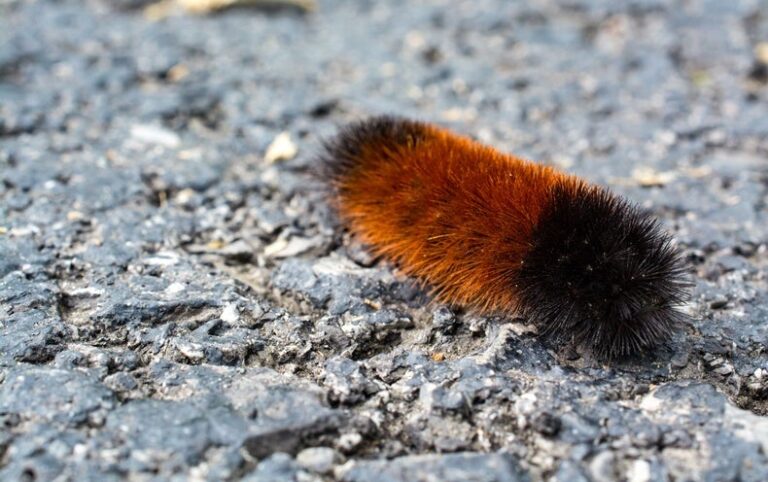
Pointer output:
318, 459
121, 382
348, 442
281, 149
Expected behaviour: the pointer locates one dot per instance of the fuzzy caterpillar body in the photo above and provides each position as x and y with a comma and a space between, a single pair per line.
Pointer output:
496, 233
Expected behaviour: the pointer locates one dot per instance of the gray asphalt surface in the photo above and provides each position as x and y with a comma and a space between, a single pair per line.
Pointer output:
175, 306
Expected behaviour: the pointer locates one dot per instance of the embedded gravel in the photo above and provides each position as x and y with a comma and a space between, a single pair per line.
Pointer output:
177, 303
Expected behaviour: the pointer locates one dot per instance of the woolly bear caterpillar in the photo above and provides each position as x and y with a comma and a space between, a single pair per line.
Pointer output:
496, 233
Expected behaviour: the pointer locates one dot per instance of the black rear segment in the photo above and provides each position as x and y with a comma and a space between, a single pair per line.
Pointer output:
602, 273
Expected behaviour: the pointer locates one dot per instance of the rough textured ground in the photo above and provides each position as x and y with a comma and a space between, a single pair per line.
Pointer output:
174, 306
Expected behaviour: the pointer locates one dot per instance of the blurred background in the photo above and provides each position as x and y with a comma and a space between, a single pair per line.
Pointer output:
645, 92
